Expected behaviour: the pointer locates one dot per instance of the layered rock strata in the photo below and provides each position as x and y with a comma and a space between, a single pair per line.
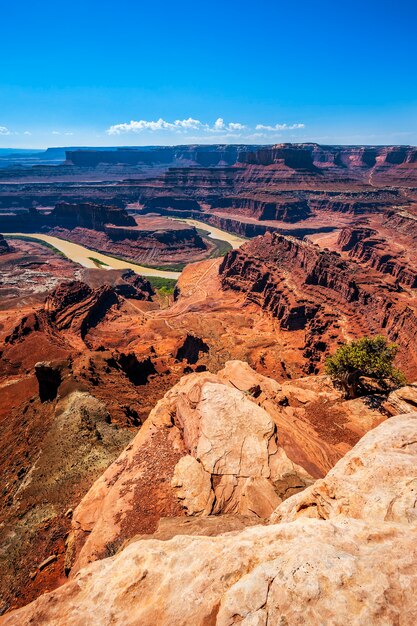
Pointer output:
306, 287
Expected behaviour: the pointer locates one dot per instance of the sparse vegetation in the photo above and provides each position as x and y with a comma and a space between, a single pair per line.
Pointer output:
175, 267
222, 247
36, 240
97, 262
165, 286
369, 358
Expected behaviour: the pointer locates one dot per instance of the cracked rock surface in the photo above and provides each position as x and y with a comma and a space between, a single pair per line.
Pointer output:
306, 571
206, 448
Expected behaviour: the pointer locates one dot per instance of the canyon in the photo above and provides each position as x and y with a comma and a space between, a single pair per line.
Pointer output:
164, 442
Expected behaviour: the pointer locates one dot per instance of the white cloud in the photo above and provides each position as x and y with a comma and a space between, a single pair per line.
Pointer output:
27, 132
219, 124
4, 131
222, 128
190, 123
235, 126
279, 127
58, 132
144, 125
181, 126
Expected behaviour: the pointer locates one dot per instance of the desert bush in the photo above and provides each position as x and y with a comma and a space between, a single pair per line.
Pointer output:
368, 357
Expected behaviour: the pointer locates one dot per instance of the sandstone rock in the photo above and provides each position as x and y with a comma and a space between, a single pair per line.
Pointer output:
312, 289
74, 306
403, 400
315, 425
302, 572
88, 215
206, 448
375, 481
49, 375
207, 525
315, 571
193, 486
48, 561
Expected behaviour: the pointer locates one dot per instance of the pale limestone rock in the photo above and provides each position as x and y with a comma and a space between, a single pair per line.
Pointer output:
402, 400
312, 572
236, 442
234, 433
333, 570
316, 426
206, 447
376, 480
193, 486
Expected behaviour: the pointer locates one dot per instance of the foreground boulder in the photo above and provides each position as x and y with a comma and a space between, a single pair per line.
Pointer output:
376, 480
206, 448
308, 571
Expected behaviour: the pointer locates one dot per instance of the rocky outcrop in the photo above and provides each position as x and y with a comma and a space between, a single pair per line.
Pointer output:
49, 376
396, 164
238, 226
88, 215
197, 454
134, 286
67, 215
66, 444
384, 456
291, 156
350, 236
206, 156
355, 204
4, 246
170, 205
247, 577
403, 222
152, 240
71, 307
76, 307
295, 281
281, 209
403, 400
191, 349
293, 572
363, 245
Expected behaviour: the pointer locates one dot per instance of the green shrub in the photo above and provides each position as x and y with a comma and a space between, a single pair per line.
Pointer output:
369, 357
165, 286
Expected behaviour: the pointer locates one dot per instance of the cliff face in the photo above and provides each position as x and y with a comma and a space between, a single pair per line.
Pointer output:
396, 163
159, 204
88, 215
73, 307
206, 156
305, 287
145, 243
67, 215
111, 229
4, 246
295, 157
364, 245
282, 209
403, 222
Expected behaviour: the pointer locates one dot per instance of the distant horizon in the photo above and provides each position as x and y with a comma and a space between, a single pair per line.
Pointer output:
175, 145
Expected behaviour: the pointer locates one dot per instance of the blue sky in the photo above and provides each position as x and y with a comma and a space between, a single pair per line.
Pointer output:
167, 72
